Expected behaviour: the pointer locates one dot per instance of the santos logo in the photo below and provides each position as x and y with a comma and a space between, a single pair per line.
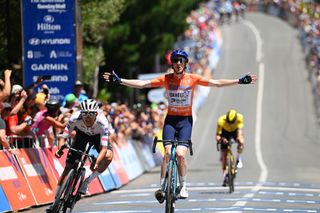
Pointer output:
57, 78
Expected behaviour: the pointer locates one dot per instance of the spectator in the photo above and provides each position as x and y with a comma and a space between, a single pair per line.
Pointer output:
79, 92
70, 105
40, 101
5, 85
46, 119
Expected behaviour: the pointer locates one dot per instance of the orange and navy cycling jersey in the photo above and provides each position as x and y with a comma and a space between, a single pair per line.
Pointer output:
179, 91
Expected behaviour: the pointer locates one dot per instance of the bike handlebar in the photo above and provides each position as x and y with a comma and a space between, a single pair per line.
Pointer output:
230, 142
173, 142
67, 146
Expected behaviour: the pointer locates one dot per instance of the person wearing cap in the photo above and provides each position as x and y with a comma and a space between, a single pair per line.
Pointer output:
69, 108
79, 92
40, 100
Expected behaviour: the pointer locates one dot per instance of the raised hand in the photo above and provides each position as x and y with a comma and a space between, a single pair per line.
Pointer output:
248, 79
112, 77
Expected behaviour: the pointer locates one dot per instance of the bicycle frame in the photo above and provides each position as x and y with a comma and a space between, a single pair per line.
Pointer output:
230, 167
75, 177
170, 186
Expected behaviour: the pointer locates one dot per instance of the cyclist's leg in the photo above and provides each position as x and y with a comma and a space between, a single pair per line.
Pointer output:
184, 134
223, 158
103, 160
169, 130
168, 134
240, 140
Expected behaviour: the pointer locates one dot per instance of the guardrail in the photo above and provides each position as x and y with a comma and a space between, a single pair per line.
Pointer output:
30, 178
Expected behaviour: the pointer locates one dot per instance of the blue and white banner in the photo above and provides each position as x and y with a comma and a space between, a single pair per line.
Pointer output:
49, 47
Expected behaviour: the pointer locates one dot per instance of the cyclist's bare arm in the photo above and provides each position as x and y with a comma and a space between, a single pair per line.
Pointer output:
229, 82
135, 83
240, 137
222, 82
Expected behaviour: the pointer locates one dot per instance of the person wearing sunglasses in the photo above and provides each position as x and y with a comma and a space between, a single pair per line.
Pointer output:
179, 87
86, 125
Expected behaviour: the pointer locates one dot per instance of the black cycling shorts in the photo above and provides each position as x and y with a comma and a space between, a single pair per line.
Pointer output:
179, 127
80, 143
228, 136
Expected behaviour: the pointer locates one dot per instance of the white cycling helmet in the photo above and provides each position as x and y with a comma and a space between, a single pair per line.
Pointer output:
89, 105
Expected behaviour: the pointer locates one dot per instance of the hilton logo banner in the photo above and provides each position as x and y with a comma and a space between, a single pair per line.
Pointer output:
49, 44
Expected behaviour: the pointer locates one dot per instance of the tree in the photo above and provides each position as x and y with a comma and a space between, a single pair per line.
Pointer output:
10, 36
146, 28
97, 17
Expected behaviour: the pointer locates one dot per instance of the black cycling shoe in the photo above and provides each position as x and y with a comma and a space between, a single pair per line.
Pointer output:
49, 210
225, 181
159, 194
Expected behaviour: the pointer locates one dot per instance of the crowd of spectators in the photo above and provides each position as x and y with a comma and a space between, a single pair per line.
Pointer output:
305, 16
33, 119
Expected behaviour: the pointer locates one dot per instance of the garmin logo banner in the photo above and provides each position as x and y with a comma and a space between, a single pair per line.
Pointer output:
49, 44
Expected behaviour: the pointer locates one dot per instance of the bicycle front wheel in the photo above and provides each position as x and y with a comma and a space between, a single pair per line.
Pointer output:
170, 197
68, 192
230, 174
60, 200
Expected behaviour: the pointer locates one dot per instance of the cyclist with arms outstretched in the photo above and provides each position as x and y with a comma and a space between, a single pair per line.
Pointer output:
87, 125
229, 126
179, 87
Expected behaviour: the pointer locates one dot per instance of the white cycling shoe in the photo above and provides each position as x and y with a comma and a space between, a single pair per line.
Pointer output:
184, 192
83, 188
239, 163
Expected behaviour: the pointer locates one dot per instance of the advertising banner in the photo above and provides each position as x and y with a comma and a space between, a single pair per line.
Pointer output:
4, 203
49, 47
14, 183
39, 175
106, 179
130, 160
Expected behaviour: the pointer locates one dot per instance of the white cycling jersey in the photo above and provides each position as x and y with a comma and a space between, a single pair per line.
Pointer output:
100, 126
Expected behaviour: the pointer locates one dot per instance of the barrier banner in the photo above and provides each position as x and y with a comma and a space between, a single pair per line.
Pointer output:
130, 160
39, 175
105, 178
56, 166
115, 176
118, 166
95, 186
4, 203
14, 183
144, 154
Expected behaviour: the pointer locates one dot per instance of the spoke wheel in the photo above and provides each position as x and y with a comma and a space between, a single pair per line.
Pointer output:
230, 174
170, 198
60, 200
68, 192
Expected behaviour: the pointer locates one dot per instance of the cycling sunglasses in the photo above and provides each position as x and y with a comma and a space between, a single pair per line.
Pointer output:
179, 59
88, 114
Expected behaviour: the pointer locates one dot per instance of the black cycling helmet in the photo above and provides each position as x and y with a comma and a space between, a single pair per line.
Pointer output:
231, 116
52, 105
180, 53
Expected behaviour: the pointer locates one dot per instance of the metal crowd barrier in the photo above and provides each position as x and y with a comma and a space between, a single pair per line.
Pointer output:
27, 141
